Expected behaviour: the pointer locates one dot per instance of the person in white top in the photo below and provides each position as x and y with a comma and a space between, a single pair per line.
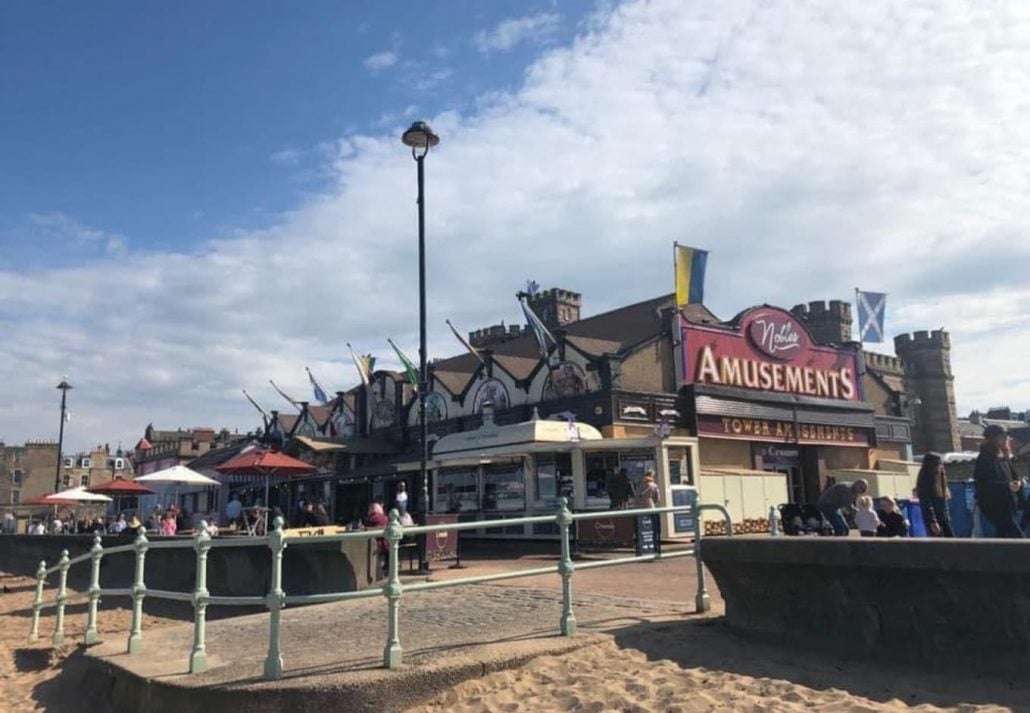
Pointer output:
866, 519
234, 509
401, 499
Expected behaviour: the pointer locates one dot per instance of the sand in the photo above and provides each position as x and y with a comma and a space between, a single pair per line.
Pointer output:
689, 667
27, 670
659, 666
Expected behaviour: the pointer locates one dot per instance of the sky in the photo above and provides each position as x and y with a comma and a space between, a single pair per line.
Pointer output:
197, 197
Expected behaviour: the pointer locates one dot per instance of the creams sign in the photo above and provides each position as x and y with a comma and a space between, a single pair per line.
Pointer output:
771, 351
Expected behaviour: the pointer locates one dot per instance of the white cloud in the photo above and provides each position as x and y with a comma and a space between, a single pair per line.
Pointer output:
380, 61
514, 31
876, 145
286, 157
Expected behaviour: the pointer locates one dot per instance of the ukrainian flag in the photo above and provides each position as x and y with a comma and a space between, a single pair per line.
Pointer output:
690, 275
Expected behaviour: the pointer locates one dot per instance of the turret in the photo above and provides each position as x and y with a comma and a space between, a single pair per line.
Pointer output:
828, 323
930, 384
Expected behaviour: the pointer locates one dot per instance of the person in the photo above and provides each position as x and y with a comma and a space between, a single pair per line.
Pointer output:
309, 519
38, 529
619, 489
321, 515
837, 498
119, 524
996, 484
154, 521
933, 494
596, 480
894, 523
168, 525
212, 527
10, 525
56, 526
133, 526
376, 520
866, 519
233, 510
400, 501
647, 493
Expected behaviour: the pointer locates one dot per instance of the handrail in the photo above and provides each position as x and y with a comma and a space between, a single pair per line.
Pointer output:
276, 599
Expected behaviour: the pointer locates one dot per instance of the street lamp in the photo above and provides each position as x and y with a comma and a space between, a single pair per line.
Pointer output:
63, 386
421, 138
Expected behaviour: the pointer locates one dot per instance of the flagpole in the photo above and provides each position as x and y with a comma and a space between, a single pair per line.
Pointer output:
63, 386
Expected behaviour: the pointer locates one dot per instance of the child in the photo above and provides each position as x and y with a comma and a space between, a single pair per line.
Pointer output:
866, 519
894, 523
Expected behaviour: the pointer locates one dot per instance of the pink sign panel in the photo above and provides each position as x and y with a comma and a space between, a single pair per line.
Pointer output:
771, 351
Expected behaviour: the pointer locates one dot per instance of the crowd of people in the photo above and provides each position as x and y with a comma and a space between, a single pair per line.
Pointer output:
1000, 497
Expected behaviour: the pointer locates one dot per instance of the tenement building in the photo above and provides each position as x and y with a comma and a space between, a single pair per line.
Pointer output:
756, 410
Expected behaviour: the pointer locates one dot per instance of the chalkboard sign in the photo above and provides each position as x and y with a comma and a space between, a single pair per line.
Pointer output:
684, 521
645, 535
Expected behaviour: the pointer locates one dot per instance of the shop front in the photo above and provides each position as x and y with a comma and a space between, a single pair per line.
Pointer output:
765, 400
522, 469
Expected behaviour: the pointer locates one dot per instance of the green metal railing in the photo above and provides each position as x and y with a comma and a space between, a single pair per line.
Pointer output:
276, 599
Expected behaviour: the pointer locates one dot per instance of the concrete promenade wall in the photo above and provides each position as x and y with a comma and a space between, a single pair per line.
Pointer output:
951, 603
232, 571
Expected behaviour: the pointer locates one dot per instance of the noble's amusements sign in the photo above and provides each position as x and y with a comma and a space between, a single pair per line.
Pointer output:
770, 351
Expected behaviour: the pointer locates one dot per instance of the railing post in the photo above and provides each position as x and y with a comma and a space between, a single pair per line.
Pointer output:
139, 591
96, 554
202, 544
62, 598
393, 654
702, 602
37, 603
565, 569
275, 601
774, 521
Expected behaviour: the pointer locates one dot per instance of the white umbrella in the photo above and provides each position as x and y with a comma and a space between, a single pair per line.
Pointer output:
79, 495
178, 474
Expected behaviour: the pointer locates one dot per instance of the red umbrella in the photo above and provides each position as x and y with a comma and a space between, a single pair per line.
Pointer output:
42, 500
119, 488
266, 463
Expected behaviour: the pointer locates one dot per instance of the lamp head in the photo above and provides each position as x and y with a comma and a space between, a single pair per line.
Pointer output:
420, 138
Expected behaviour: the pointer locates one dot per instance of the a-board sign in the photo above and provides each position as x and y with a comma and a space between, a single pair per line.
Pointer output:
684, 521
645, 535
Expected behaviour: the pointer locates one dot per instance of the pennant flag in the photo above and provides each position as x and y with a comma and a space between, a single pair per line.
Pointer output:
320, 394
409, 368
364, 364
543, 335
690, 274
255, 405
872, 307
296, 404
471, 349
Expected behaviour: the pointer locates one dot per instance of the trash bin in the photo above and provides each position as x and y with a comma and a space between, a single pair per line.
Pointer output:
960, 507
914, 514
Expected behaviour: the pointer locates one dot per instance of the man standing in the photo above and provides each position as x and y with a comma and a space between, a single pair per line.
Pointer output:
838, 497
998, 488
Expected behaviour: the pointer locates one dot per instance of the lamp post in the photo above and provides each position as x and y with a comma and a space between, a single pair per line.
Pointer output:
63, 386
420, 138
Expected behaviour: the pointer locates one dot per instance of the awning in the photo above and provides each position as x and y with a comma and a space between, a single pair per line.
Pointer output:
354, 445
824, 413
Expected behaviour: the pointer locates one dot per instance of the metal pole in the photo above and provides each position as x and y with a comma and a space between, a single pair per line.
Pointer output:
423, 427
139, 592
275, 601
393, 653
63, 386
702, 601
62, 598
198, 657
96, 554
566, 568
37, 604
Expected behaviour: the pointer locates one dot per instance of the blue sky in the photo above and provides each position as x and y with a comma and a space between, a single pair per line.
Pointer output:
196, 197
172, 123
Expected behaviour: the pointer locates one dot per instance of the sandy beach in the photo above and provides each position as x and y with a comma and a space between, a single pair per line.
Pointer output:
660, 665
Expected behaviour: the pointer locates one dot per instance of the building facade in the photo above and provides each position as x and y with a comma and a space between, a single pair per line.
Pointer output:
26, 471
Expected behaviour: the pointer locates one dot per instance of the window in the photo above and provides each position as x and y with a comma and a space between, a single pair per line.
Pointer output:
456, 490
15, 497
602, 469
504, 486
69, 462
119, 464
85, 463
66, 481
551, 468
16, 477
84, 481
680, 467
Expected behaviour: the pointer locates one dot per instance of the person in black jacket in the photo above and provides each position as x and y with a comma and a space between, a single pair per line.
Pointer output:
932, 491
996, 483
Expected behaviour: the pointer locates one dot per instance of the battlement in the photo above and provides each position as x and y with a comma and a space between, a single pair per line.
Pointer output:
556, 293
884, 363
495, 334
937, 339
820, 308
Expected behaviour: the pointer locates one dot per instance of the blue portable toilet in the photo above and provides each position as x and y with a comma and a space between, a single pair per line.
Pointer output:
960, 507
914, 514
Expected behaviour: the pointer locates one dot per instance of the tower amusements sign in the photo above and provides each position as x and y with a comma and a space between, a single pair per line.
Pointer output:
771, 352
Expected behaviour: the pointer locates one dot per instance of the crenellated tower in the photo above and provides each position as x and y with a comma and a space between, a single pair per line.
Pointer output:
828, 323
930, 382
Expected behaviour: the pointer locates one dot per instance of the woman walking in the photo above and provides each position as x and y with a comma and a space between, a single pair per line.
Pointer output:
932, 491
997, 486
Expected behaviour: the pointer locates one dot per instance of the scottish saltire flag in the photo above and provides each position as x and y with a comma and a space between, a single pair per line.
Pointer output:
465, 343
320, 395
364, 364
690, 275
543, 335
409, 368
871, 309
